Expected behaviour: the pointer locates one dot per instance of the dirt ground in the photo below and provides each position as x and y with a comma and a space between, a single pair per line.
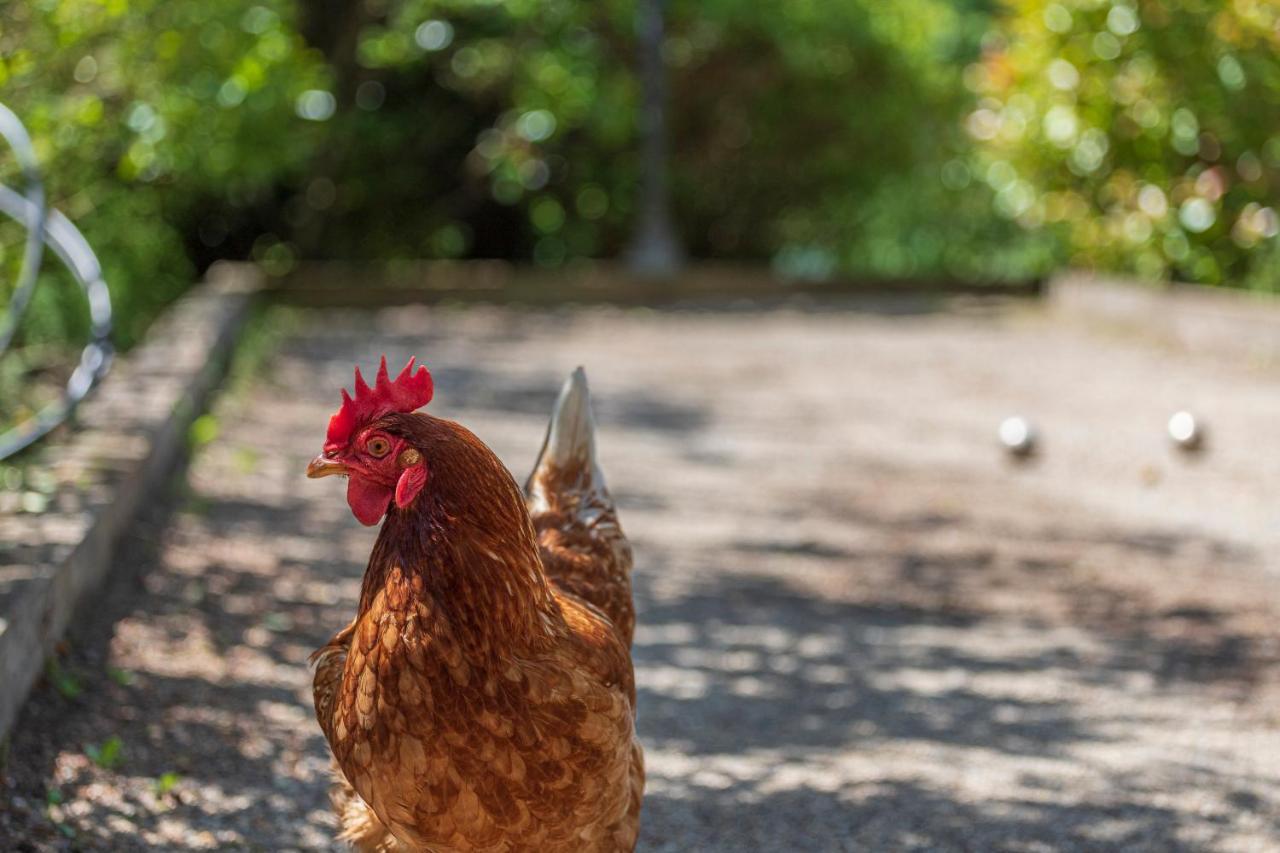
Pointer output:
860, 627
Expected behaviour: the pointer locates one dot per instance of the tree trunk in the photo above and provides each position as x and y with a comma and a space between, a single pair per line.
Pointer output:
655, 250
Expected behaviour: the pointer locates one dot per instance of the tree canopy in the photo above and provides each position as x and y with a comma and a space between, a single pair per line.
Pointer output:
941, 138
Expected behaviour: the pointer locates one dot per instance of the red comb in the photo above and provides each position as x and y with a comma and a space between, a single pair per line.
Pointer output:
411, 390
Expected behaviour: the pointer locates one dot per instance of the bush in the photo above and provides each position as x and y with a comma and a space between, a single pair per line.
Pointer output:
1142, 131
825, 137
820, 131
157, 123
811, 134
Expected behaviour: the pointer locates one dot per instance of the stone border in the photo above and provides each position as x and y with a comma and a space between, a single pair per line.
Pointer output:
338, 284
127, 439
1201, 320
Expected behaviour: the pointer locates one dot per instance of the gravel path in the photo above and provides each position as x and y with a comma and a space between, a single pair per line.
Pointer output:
860, 629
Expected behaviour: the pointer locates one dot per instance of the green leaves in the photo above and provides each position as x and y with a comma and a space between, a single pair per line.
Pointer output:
203, 430
122, 677
917, 138
165, 784
108, 755
149, 117
1144, 134
64, 681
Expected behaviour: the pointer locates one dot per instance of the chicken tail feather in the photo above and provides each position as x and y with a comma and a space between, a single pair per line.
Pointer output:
584, 550
570, 445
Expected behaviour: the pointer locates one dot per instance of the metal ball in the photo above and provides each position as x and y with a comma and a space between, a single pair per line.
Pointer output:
1186, 432
1018, 437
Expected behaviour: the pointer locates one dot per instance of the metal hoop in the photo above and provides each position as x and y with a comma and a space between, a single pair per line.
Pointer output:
52, 229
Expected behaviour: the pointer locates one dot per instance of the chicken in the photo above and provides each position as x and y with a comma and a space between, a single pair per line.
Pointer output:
483, 697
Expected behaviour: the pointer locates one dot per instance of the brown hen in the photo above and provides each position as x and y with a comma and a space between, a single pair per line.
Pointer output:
483, 697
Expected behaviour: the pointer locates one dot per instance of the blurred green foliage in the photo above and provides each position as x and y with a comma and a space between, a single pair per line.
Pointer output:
152, 120
919, 138
108, 755
812, 135
1143, 132
815, 134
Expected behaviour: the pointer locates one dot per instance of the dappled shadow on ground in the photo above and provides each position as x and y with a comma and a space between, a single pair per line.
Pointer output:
835, 651
899, 816
763, 665
792, 716
489, 389
198, 672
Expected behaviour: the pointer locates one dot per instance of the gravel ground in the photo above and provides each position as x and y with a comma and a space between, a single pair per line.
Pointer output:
860, 628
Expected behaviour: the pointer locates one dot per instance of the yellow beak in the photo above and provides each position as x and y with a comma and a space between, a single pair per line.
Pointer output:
324, 466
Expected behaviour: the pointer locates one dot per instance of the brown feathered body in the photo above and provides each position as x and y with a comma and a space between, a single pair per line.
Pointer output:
483, 698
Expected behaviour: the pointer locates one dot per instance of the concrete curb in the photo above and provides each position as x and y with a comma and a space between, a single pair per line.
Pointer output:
1201, 320
338, 284
128, 437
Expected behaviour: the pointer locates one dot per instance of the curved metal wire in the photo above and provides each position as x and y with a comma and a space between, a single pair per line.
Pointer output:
16, 135
52, 229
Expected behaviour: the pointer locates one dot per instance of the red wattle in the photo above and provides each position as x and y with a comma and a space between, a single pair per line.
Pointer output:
368, 501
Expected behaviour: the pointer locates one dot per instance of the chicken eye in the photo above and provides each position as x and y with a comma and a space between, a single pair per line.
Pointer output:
378, 446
